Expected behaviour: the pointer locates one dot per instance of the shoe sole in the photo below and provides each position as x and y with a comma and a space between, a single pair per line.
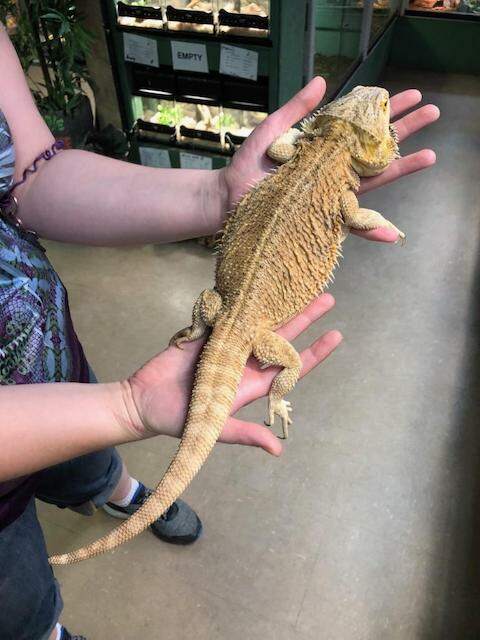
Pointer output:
180, 540
116, 514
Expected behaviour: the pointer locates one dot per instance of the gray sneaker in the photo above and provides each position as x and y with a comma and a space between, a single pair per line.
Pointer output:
179, 525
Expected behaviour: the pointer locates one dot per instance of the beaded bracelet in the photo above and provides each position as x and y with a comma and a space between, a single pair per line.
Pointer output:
9, 203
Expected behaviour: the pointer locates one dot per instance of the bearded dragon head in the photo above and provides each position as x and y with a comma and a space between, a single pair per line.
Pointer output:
372, 140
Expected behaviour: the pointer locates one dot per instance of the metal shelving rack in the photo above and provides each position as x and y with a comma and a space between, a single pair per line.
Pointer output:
192, 83
209, 88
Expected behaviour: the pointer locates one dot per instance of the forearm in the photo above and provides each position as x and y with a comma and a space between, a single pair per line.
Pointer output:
85, 198
44, 424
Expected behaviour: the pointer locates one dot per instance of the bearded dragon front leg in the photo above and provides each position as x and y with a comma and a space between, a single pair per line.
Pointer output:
271, 349
356, 217
283, 148
204, 313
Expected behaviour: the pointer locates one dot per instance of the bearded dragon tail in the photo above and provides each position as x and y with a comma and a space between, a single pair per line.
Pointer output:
218, 375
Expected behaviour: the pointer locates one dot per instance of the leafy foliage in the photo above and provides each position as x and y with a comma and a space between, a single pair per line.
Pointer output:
54, 122
168, 114
51, 32
22, 34
226, 120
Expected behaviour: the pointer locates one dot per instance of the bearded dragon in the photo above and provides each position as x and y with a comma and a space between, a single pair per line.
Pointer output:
278, 252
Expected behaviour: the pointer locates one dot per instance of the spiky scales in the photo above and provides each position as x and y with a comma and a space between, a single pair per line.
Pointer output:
278, 252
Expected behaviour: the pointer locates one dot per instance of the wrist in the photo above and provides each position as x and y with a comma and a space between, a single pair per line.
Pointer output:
125, 411
218, 200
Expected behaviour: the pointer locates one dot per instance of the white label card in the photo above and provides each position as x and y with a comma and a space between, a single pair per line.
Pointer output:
140, 49
189, 56
158, 158
194, 161
235, 61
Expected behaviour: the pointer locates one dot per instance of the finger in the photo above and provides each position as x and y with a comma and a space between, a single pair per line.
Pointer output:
399, 168
319, 351
404, 101
416, 120
250, 434
281, 120
299, 106
192, 347
313, 312
312, 356
382, 234
257, 143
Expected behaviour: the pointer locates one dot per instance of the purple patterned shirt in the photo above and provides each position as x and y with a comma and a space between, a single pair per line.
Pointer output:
37, 339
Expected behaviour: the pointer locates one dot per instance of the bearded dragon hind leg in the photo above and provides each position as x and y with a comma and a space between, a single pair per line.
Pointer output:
283, 148
364, 219
271, 349
204, 313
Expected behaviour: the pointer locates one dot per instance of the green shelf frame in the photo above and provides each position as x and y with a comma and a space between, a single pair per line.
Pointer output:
406, 41
280, 63
448, 44
218, 161
280, 59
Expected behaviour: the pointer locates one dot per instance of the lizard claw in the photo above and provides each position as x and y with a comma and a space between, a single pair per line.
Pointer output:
178, 338
281, 408
402, 238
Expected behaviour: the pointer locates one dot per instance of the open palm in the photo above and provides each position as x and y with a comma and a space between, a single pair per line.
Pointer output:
251, 163
161, 388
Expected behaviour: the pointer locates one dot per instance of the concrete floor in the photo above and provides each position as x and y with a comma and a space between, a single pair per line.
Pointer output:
368, 526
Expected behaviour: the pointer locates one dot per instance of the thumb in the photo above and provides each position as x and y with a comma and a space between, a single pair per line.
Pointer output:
249, 433
292, 111
299, 106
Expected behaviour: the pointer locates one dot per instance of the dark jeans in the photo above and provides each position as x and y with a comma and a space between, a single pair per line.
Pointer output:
30, 600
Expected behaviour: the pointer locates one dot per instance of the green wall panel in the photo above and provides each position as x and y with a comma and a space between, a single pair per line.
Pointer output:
288, 53
437, 44
337, 31
372, 67
331, 43
327, 42
328, 18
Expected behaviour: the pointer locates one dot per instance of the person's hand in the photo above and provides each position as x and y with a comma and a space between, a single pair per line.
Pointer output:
161, 389
251, 163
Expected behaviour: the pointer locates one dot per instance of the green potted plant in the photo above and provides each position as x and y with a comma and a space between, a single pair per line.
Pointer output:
51, 33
